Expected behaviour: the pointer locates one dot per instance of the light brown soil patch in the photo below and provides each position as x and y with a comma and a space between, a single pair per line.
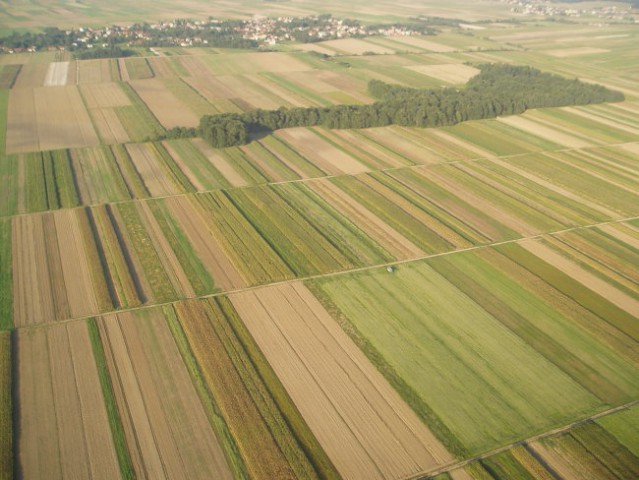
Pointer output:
573, 52
587, 279
168, 432
33, 298
76, 271
104, 95
362, 423
124, 73
544, 131
209, 249
220, 163
32, 75
421, 42
161, 67
459, 474
22, 126
94, 71
167, 108
63, 121
193, 65
395, 142
64, 429
451, 73
394, 242
314, 47
323, 154
211, 87
356, 46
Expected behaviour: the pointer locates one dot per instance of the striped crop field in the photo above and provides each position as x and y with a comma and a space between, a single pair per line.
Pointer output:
388, 303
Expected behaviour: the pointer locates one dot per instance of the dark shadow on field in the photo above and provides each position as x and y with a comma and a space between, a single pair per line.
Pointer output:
260, 134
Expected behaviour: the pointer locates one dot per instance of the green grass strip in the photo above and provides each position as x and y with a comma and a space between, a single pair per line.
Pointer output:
410, 396
6, 408
173, 171
117, 429
64, 179
153, 269
132, 178
216, 419
296, 423
6, 276
9, 166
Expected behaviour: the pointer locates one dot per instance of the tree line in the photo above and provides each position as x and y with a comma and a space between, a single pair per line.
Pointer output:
497, 90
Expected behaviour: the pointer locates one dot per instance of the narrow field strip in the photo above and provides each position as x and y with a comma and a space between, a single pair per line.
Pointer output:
61, 414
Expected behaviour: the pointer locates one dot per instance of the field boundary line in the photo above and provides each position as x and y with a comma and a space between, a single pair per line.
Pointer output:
301, 180
329, 274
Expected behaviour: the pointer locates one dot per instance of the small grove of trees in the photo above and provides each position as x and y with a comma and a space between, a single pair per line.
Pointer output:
110, 52
496, 90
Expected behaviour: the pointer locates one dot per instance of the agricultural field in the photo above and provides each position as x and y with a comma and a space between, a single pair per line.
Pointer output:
390, 303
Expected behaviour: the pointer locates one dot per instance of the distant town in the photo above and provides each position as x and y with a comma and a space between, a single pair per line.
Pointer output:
258, 32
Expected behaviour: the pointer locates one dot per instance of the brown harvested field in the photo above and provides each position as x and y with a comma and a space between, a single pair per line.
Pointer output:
393, 241
75, 268
589, 280
57, 74
534, 127
392, 139
150, 170
220, 163
166, 107
246, 92
314, 47
573, 52
61, 118
460, 474
318, 151
166, 426
22, 127
104, 95
51, 275
211, 87
193, 65
361, 422
161, 67
256, 62
356, 46
32, 75
421, 42
109, 126
208, 247
64, 430
94, 71
451, 73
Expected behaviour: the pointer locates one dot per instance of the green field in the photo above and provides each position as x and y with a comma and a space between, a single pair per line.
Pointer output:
445, 333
